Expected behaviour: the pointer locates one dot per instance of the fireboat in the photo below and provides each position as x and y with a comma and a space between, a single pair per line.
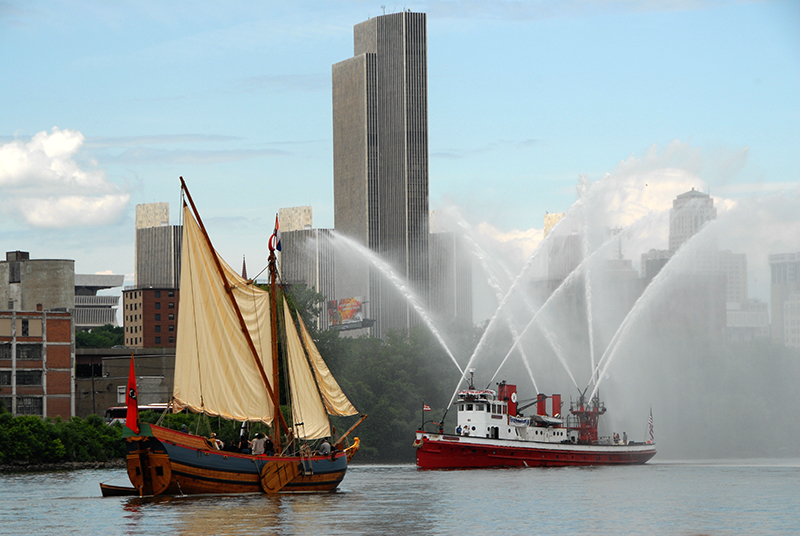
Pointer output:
493, 432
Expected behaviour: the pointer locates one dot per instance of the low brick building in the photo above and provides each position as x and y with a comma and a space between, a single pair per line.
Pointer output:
37, 363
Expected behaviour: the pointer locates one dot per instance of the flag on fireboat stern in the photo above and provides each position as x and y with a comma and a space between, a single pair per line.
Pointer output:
131, 400
650, 426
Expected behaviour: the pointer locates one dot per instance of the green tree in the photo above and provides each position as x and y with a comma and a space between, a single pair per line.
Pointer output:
101, 337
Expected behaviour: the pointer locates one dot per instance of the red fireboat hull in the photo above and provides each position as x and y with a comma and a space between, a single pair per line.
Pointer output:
445, 451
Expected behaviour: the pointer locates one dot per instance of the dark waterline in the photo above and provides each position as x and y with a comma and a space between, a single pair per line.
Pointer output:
718, 498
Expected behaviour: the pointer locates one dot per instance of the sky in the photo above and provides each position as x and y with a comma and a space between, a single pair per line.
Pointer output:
104, 105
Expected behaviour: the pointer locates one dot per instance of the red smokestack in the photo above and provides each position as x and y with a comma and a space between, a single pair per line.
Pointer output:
508, 392
556, 406
541, 401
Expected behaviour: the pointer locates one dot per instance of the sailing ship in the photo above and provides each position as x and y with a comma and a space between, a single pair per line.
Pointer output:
492, 431
227, 366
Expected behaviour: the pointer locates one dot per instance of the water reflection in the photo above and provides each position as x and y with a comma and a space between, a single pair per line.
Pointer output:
690, 498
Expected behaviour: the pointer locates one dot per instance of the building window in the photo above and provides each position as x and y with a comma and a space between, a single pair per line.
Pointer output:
25, 328
158, 329
158, 317
5, 351
158, 340
172, 316
157, 293
172, 327
29, 377
5, 378
158, 305
29, 351
172, 340
121, 394
171, 294
29, 405
10, 305
14, 272
172, 305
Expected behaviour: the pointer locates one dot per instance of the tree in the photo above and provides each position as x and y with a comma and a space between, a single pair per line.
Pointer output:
101, 337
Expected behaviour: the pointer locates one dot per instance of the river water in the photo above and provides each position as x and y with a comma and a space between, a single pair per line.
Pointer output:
657, 498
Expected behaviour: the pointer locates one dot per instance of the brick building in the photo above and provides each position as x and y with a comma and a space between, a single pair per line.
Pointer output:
37, 358
150, 317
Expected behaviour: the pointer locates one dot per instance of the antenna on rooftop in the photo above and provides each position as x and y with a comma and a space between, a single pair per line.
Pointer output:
384, 9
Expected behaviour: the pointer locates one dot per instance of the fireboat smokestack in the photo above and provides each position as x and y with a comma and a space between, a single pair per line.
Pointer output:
556, 411
541, 404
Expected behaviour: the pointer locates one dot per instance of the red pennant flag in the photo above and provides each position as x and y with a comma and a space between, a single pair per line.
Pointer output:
132, 420
426, 407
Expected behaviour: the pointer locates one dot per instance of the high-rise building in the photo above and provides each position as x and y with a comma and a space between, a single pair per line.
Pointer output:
689, 212
380, 147
785, 269
158, 247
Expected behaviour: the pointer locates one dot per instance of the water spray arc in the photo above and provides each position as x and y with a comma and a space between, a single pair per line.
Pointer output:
650, 293
400, 284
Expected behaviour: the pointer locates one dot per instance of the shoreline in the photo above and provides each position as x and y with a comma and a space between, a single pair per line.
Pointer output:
26, 467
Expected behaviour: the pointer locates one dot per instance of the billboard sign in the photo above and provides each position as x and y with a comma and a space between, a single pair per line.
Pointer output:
345, 311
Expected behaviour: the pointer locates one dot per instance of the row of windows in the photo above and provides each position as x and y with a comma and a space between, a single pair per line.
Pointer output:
157, 305
24, 377
498, 409
24, 351
156, 328
26, 405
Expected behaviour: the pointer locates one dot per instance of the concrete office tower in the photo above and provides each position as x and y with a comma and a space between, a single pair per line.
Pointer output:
785, 269
688, 213
158, 247
380, 161
295, 218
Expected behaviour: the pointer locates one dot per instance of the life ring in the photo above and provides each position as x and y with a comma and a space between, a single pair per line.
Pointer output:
514, 397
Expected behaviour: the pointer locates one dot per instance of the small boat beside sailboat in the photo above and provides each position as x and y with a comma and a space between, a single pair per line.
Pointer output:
231, 337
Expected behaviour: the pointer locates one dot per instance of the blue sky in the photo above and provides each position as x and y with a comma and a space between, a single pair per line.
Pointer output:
104, 105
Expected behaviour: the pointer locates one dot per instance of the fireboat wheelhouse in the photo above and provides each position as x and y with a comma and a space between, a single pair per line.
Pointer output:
492, 431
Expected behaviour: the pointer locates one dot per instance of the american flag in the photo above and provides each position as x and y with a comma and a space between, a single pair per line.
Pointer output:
426, 407
650, 426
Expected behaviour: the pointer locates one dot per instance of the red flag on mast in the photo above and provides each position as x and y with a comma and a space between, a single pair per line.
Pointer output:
426, 407
132, 419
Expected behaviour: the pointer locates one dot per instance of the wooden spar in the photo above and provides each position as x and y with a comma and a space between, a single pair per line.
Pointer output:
273, 305
275, 400
347, 433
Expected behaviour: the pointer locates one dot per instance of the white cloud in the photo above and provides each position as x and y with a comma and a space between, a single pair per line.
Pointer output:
42, 184
515, 244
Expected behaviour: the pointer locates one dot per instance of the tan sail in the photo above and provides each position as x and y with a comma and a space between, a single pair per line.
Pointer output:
336, 402
215, 371
308, 413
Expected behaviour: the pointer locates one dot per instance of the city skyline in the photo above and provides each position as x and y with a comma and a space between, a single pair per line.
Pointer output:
523, 101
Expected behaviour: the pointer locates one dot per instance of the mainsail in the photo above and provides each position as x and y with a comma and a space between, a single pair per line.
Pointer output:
215, 370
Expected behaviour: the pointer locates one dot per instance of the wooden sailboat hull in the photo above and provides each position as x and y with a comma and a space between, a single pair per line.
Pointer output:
165, 462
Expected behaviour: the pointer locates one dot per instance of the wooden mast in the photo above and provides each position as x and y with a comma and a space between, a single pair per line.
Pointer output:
228, 289
273, 305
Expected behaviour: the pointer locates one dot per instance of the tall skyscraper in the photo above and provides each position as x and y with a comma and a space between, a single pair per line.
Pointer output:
380, 148
689, 212
785, 289
158, 247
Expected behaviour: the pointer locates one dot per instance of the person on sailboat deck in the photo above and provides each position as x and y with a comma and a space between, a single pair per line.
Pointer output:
184, 429
216, 443
257, 445
269, 448
325, 448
